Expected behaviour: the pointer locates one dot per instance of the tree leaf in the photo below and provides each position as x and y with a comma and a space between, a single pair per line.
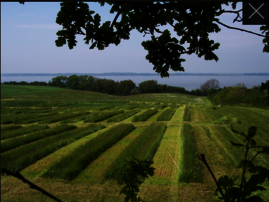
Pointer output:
252, 131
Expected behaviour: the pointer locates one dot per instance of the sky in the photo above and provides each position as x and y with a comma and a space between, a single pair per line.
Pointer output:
28, 34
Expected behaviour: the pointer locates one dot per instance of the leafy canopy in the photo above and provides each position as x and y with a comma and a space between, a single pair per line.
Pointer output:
192, 21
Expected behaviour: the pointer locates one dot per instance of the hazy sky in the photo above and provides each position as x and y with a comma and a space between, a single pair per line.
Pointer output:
28, 34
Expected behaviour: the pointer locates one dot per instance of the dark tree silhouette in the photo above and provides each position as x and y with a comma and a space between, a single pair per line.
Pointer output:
191, 20
212, 83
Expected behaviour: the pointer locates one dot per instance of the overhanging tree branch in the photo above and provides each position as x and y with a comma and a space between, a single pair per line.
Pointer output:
243, 30
32, 185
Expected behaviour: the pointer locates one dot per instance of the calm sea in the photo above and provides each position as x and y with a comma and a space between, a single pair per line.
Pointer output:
188, 82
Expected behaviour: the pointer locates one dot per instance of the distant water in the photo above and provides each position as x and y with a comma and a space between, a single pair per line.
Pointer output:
188, 82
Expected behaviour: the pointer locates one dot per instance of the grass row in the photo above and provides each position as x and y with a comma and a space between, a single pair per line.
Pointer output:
143, 147
21, 140
79, 118
103, 116
70, 166
145, 115
187, 113
122, 116
174, 106
160, 106
22, 131
9, 128
25, 119
190, 168
166, 115
62, 117
19, 158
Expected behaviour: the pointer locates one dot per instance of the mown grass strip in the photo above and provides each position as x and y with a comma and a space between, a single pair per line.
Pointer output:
191, 171
22, 131
187, 113
122, 116
145, 115
102, 117
166, 115
70, 166
18, 159
9, 128
62, 117
21, 140
136, 148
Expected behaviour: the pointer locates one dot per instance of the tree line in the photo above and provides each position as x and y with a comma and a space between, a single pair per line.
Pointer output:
109, 86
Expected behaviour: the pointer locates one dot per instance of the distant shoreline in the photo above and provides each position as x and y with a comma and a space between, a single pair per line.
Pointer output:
135, 74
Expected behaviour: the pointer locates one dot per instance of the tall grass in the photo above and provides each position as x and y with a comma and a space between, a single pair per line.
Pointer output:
103, 116
21, 140
160, 106
122, 116
173, 106
9, 128
145, 115
22, 131
62, 117
19, 158
143, 147
191, 171
70, 166
166, 115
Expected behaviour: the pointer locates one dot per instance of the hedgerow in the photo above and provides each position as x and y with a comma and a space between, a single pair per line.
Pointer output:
166, 115
22, 131
141, 147
21, 140
18, 159
102, 117
145, 115
70, 166
122, 116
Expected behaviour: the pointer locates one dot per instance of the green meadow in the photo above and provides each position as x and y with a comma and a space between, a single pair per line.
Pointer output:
25, 89
71, 142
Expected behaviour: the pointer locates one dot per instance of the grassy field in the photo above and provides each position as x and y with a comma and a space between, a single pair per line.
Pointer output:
45, 130
25, 89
